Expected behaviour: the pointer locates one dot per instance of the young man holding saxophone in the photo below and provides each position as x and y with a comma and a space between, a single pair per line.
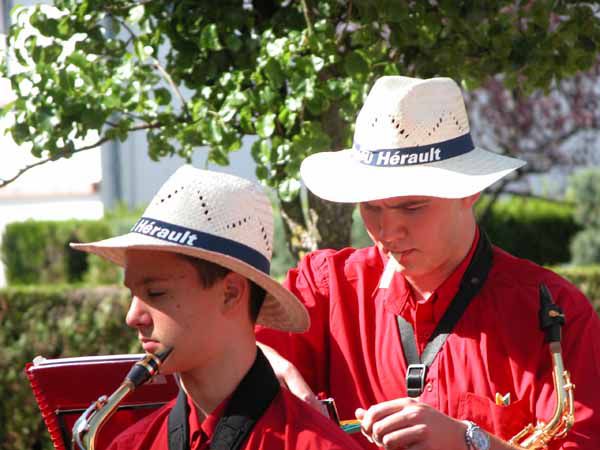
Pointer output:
197, 265
431, 338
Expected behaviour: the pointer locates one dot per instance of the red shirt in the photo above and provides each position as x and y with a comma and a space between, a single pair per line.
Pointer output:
287, 424
353, 352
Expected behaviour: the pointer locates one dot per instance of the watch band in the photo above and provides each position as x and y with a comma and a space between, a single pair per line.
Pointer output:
475, 437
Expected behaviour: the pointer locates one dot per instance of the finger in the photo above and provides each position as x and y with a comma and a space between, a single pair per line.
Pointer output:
368, 436
405, 418
384, 409
413, 438
359, 413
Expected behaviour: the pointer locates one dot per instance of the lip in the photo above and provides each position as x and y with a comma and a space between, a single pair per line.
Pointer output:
394, 251
150, 345
402, 254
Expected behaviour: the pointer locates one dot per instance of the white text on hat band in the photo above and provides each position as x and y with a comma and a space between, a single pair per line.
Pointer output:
410, 156
177, 234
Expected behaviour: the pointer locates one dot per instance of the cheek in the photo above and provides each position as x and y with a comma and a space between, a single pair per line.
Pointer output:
370, 221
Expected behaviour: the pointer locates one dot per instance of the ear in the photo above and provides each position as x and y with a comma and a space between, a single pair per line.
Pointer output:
235, 290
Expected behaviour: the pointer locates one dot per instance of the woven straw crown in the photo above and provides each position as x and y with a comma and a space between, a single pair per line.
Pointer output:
412, 137
217, 217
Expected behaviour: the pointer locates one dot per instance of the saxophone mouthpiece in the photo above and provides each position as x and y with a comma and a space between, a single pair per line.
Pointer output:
551, 316
164, 354
146, 368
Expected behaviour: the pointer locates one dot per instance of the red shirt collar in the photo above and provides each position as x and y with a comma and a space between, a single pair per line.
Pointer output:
202, 431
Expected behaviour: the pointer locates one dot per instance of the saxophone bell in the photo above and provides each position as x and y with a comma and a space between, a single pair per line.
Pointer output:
95, 416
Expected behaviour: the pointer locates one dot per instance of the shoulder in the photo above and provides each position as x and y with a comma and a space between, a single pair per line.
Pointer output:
142, 433
519, 279
294, 422
321, 265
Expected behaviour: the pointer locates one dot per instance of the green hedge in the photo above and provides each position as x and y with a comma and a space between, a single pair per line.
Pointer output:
586, 278
38, 252
52, 322
535, 229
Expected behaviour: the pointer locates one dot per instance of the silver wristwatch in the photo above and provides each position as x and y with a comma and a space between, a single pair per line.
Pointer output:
475, 437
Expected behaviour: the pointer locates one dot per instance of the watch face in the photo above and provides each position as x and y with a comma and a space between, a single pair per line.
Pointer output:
480, 440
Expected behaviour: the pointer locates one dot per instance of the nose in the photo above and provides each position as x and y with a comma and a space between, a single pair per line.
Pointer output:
137, 315
391, 227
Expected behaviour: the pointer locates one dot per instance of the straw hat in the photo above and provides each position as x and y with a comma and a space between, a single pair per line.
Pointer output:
220, 218
411, 138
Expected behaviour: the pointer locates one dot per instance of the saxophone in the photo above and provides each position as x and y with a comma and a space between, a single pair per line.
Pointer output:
538, 436
89, 423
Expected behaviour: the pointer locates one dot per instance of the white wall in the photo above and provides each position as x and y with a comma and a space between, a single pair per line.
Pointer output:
140, 177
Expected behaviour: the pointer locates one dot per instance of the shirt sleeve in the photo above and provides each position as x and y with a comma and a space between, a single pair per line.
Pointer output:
308, 351
581, 355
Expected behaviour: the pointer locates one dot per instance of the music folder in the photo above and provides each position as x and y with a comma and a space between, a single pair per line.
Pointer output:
65, 387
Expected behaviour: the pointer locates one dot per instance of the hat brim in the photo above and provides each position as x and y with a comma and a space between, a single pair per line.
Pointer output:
281, 310
339, 177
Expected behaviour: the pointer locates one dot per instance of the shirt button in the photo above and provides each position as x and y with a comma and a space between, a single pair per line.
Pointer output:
429, 387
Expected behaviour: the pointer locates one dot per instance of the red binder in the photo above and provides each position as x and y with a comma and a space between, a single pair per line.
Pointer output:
64, 388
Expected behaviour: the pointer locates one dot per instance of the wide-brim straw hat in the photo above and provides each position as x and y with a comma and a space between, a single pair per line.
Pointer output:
412, 137
219, 218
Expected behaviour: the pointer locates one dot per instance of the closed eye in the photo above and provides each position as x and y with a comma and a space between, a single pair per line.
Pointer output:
414, 207
154, 293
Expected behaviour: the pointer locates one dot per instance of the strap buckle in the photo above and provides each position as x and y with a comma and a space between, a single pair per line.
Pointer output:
415, 379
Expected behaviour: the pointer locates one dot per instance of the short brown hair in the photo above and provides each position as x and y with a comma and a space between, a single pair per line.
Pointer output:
210, 273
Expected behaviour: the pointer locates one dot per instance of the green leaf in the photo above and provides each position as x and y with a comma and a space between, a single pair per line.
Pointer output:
162, 96
261, 151
218, 156
233, 42
262, 173
209, 38
140, 51
216, 130
355, 65
289, 189
265, 125
136, 13
274, 73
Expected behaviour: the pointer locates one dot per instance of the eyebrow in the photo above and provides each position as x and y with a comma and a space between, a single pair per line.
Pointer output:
403, 204
147, 280
410, 203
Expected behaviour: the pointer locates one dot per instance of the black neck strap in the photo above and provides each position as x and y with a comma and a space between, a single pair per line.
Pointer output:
471, 283
248, 403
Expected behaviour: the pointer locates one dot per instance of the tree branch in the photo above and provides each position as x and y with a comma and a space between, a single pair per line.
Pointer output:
64, 153
307, 17
175, 88
339, 39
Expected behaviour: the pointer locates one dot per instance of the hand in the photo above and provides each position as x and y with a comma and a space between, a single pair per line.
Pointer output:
406, 423
290, 377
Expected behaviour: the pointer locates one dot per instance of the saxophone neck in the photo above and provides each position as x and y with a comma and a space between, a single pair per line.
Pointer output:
89, 423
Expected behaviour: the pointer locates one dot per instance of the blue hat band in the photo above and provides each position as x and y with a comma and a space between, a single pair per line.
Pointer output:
411, 156
188, 237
